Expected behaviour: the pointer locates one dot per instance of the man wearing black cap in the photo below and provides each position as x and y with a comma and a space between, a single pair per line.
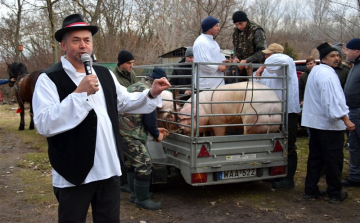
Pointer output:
124, 69
249, 40
183, 70
134, 129
325, 113
126, 76
207, 50
78, 114
352, 92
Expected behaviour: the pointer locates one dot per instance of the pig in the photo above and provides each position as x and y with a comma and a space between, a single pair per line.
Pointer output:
165, 112
227, 108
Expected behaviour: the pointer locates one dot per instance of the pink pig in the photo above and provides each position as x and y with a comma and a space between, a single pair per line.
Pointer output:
262, 109
164, 112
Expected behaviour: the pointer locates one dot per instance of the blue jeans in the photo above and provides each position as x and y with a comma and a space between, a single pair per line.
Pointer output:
354, 145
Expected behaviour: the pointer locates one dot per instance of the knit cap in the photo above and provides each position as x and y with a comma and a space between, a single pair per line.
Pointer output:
124, 56
239, 16
189, 52
208, 23
157, 73
353, 44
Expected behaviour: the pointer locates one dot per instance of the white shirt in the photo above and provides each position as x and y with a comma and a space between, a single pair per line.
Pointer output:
324, 100
206, 49
279, 58
52, 117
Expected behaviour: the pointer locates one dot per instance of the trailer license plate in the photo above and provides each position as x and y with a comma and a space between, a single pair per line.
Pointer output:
237, 173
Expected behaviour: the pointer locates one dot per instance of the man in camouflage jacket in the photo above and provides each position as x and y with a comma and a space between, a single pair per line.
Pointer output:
249, 40
134, 129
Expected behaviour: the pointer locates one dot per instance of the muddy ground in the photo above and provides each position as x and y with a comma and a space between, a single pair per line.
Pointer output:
246, 202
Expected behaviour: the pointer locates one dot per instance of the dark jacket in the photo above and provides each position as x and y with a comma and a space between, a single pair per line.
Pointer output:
182, 70
71, 153
352, 86
150, 123
302, 83
342, 72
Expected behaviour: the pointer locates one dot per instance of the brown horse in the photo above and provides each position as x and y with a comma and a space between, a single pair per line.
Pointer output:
24, 88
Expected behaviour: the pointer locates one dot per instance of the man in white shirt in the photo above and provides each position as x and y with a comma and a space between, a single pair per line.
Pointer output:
207, 50
274, 55
78, 114
325, 113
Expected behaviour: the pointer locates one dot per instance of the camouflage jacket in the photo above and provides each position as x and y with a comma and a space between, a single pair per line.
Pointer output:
248, 44
131, 125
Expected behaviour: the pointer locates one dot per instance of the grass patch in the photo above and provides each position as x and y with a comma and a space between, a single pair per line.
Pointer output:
37, 186
36, 161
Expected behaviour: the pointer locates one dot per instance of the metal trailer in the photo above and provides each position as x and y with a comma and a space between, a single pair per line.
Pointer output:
210, 160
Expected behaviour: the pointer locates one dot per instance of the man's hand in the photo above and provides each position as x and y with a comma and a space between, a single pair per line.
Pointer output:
163, 133
158, 86
349, 125
222, 68
242, 67
260, 71
187, 92
89, 84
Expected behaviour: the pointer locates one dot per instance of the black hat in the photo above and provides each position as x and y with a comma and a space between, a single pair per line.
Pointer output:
74, 22
239, 16
124, 56
157, 73
324, 49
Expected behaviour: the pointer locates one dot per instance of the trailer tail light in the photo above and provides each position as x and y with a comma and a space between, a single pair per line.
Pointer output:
203, 152
278, 147
198, 178
277, 170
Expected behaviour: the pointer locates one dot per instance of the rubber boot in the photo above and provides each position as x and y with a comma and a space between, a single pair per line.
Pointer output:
143, 200
130, 179
288, 181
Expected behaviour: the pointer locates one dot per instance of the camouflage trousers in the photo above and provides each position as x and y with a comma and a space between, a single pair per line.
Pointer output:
137, 156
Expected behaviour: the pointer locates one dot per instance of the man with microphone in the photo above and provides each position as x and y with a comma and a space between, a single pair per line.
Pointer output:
82, 128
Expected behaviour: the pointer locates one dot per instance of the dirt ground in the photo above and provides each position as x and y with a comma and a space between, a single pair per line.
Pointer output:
247, 202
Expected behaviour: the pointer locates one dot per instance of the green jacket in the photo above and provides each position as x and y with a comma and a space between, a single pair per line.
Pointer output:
343, 72
125, 78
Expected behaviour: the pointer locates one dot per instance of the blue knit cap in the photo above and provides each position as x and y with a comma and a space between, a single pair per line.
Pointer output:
157, 73
208, 23
353, 44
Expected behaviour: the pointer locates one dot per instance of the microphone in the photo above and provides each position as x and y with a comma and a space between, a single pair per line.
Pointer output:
85, 58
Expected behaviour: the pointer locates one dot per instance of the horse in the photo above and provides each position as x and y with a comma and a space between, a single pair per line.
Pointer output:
24, 88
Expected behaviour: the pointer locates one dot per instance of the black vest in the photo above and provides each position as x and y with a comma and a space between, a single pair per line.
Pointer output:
71, 153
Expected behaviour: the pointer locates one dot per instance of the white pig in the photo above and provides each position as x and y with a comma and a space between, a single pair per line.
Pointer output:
243, 108
164, 112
